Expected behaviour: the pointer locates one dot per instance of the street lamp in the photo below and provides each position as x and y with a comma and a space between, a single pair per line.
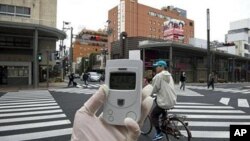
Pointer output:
109, 31
71, 38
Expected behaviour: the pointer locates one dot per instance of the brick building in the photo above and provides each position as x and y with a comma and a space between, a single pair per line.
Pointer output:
87, 42
140, 20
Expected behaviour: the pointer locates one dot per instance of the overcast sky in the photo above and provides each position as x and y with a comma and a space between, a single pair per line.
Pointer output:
93, 14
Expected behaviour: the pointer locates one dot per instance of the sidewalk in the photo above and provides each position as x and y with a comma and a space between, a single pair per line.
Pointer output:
41, 86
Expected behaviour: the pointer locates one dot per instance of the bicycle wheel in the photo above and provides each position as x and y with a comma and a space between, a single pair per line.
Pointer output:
177, 130
147, 126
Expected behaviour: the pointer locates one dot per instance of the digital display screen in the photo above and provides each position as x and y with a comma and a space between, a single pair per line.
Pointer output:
122, 81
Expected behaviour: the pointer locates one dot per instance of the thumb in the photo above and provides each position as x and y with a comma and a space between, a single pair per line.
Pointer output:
132, 128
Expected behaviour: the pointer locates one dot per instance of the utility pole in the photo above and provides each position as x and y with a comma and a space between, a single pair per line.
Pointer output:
208, 46
47, 69
71, 49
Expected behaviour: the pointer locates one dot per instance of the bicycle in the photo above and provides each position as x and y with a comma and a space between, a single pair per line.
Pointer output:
173, 126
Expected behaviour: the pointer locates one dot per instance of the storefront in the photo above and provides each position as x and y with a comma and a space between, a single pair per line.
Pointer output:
193, 61
15, 73
20, 44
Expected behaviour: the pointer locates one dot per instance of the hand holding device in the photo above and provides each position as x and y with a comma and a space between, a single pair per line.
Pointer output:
88, 127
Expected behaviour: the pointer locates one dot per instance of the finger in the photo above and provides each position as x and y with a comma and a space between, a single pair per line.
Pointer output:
147, 104
146, 91
132, 128
96, 101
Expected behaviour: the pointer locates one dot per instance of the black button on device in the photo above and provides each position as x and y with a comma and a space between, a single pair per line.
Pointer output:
120, 102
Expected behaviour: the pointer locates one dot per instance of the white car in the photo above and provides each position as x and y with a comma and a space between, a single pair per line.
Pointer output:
94, 76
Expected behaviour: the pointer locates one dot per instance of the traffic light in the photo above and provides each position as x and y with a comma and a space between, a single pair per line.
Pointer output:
39, 57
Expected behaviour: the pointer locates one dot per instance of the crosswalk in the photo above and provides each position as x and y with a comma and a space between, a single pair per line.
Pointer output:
89, 86
75, 90
241, 102
24, 115
225, 90
208, 121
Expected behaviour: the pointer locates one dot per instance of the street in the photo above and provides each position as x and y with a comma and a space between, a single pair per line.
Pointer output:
49, 115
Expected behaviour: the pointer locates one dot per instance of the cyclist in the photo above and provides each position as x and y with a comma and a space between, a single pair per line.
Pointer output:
163, 87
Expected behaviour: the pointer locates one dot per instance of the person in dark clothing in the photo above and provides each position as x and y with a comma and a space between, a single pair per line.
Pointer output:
183, 80
211, 80
85, 78
71, 79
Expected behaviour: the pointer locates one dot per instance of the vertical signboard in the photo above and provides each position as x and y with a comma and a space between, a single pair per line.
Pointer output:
121, 18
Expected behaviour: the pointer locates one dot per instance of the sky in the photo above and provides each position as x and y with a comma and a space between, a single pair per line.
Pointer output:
93, 14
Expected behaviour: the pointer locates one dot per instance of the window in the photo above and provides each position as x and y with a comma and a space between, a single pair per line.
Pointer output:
14, 10
246, 46
190, 23
152, 13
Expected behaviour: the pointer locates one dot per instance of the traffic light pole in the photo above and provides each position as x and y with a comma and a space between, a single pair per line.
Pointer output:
47, 76
35, 60
71, 49
208, 46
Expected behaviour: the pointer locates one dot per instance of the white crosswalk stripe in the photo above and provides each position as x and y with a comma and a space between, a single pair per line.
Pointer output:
208, 121
225, 90
23, 110
224, 100
75, 90
241, 102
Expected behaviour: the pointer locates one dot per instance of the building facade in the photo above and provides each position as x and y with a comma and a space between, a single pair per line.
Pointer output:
28, 30
139, 20
239, 34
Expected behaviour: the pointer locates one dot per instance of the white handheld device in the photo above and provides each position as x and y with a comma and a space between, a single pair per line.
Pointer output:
124, 79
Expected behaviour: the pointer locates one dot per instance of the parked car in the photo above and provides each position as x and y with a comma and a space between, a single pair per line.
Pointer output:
94, 76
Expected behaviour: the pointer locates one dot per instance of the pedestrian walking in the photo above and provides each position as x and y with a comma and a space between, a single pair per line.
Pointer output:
71, 79
183, 80
85, 78
211, 80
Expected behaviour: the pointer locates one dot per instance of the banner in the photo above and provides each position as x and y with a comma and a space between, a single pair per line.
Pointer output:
173, 30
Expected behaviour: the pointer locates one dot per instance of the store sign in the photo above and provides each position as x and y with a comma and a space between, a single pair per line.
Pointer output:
173, 30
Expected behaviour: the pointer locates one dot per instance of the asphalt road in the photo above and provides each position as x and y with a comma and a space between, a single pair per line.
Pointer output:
49, 115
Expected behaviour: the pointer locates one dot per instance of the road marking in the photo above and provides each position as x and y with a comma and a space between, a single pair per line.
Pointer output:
243, 103
34, 125
210, 134
215, 124
29, 109
199, 116
23, 100
37, 135
31, 113
205, 107
27, 103
8, 120
191, 103
205, 111
224, 100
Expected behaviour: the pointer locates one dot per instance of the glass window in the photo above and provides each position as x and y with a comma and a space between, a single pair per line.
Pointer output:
19, 10
26, 11
3, 8
11, 9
